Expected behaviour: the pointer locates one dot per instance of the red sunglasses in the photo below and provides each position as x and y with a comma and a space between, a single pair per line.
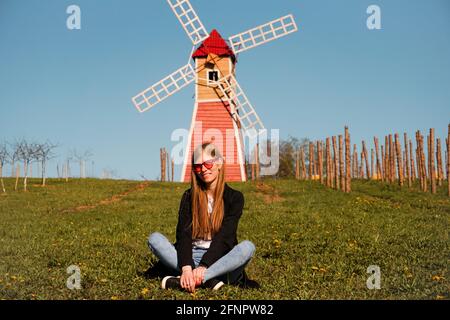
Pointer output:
197, 167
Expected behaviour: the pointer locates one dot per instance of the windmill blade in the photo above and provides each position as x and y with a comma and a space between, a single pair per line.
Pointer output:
244, 113
164, 88
264, 33
189, 20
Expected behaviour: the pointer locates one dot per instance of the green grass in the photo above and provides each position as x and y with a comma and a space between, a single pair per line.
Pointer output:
312, 242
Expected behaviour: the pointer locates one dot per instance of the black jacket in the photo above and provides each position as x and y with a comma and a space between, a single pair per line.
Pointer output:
223, 241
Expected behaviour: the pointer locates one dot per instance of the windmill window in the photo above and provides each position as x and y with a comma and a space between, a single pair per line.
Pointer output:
213, 76
209, 65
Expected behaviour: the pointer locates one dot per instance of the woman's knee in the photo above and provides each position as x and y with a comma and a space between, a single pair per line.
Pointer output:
248, 248
155, 239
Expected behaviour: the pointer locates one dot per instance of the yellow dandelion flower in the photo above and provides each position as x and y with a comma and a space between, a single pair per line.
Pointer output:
437, 278
277, 243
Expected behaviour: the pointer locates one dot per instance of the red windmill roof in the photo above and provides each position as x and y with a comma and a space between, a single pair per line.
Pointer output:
214, 44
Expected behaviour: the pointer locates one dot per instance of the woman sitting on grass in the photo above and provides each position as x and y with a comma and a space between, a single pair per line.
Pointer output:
206, 252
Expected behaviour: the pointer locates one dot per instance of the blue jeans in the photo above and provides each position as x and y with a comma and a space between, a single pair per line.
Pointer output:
228, 268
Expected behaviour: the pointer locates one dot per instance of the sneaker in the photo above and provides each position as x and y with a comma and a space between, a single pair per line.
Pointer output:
213, 284
246, 283
249, 284
171, 282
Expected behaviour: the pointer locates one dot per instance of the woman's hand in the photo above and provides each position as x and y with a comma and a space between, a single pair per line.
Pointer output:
187, 280
199, 275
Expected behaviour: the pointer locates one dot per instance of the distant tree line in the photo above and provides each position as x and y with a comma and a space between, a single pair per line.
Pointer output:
21, 154
26, 153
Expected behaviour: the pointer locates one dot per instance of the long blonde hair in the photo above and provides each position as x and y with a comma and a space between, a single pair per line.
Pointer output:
205, 226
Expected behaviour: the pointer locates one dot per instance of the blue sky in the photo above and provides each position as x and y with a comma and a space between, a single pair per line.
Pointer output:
74, 87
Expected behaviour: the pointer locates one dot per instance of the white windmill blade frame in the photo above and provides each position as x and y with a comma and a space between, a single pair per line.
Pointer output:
165, 88
243, 109
264, 33
189, 20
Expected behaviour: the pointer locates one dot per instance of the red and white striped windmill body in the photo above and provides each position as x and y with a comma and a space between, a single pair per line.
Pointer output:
221, 110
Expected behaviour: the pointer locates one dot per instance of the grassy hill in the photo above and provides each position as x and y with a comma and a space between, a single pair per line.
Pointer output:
312, 242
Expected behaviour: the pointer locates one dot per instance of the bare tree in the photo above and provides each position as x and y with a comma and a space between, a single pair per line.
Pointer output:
27, 152
12, 160
45, 153
81, 158
4, 155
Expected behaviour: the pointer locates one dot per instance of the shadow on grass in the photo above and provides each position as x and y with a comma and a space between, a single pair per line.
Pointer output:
156, 271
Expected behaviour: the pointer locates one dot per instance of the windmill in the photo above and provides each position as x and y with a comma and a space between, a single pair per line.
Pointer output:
222, 111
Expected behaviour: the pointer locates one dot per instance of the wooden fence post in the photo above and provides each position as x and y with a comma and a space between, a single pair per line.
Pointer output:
420, 163
372, 163
347, 161
361, 166
328, 159
398, 149
391, 159
378, 168
173, 168
432, 162
387, 159
439, 170
315, 160
424, 167
335, 162
320, 160
407, 160
302, 156
366, 160
341, 163
413, 168
404, 165
162, 156
387, 162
